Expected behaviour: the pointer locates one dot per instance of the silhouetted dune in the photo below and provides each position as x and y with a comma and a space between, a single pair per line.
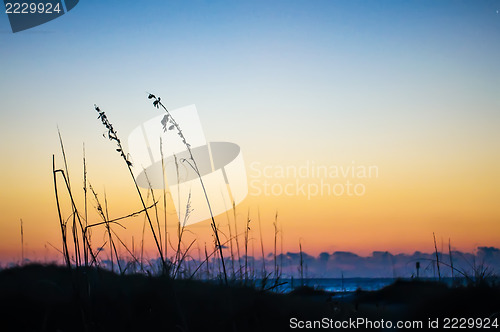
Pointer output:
421, 300
48, 298
44, 298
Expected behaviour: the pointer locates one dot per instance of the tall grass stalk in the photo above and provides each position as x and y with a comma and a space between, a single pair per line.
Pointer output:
451, 258
275, 224
164, 187
74, 228
103, 213
112, 136
62, 223
22, 242
247, 230
206, 260
157, 219
437, 256
142, 239
169, 119
85, 234
281, 252
181, 228
240, 268
231, 244
301, 267
264, 272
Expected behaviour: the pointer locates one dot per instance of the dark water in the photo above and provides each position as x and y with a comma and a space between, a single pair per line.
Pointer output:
347, 284
336, 285
339, 284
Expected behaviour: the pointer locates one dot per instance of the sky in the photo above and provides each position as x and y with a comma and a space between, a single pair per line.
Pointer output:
411, 89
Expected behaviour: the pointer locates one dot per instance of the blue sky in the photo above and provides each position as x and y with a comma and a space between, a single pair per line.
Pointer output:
277, 60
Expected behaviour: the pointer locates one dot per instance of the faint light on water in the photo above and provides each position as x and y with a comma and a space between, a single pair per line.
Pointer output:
336, 285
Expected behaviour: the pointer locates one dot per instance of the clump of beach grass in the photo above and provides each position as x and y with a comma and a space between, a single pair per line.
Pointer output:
169, 123
112, 136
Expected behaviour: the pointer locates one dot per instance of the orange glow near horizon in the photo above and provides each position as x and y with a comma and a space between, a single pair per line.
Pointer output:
392, 215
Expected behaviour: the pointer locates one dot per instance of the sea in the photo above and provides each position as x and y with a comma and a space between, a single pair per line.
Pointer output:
336, 285
342, 285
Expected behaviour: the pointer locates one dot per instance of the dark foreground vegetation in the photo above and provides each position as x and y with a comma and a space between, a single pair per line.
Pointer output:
54, 298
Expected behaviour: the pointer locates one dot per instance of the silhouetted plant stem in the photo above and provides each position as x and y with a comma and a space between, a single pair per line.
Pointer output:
155, 208
281, 251
437, 257
264, 272
85, 234
157, 102
247, 229
164, 187
133, 214
451, 259
276, 269
206, 260
74, 229
73, 205
113, 137
61, 221
105, 217
301, 269
240, 268
22, 242
231, 244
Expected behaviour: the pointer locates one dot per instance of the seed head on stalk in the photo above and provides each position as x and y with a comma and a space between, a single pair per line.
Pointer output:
112, 134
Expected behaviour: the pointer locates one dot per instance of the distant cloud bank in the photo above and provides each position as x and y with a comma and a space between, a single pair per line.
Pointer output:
386, 265
380, 264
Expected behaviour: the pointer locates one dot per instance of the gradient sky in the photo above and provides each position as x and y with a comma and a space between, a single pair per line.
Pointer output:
412, 87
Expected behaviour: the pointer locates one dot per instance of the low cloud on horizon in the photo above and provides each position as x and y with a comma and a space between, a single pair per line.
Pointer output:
380, 264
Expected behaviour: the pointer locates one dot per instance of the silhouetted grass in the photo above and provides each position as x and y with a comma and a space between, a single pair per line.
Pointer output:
169, 123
